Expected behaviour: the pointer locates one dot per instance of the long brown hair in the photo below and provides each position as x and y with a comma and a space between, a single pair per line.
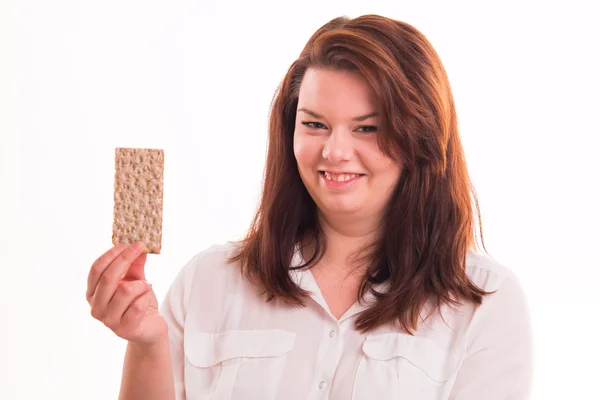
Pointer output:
430, 220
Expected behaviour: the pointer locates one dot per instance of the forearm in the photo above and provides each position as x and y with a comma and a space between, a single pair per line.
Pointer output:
147, 373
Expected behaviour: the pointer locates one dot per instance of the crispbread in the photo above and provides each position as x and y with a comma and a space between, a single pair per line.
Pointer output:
138, 197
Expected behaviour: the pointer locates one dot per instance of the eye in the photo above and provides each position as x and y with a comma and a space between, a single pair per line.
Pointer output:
367, 128
314, 125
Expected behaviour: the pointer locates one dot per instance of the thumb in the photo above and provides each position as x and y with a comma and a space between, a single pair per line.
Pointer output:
136, 270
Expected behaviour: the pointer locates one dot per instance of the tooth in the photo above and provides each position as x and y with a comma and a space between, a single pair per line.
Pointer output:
339, 177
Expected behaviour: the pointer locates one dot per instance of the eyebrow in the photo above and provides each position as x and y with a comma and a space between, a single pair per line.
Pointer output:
357, 119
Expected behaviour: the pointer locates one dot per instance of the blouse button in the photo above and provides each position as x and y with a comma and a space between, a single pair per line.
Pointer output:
321, 384
332, 333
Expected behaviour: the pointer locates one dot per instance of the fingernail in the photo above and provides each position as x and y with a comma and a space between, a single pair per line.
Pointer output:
147, 284
139, 246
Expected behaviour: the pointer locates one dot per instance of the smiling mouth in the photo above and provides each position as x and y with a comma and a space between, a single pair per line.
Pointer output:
339, 177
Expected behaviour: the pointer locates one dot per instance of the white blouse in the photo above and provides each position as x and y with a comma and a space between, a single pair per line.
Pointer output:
228, 342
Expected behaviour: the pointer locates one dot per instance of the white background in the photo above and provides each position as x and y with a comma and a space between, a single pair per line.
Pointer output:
79, 78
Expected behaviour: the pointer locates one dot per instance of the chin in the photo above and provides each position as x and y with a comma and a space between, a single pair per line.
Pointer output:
344, 208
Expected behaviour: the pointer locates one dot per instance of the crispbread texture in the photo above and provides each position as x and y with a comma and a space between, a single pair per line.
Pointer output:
138, 197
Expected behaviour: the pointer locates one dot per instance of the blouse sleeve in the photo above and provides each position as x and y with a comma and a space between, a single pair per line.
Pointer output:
174, 309
499, 359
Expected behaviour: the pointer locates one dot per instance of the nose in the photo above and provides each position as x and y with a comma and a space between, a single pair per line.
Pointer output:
338, 148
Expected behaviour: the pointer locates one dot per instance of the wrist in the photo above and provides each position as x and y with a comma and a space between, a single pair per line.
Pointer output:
157, 346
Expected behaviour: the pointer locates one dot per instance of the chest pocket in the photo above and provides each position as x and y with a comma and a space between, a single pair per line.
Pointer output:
400, 366
236, 364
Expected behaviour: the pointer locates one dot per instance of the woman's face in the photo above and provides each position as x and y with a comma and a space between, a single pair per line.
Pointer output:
335, 144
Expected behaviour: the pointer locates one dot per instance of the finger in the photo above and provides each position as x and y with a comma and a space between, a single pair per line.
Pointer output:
125, 294
136, 311
136, 271
98, 268
107, 284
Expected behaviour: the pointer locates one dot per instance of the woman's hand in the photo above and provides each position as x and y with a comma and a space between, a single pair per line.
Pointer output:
122, 299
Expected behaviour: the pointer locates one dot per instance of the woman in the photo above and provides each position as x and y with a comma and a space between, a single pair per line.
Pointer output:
359, 277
